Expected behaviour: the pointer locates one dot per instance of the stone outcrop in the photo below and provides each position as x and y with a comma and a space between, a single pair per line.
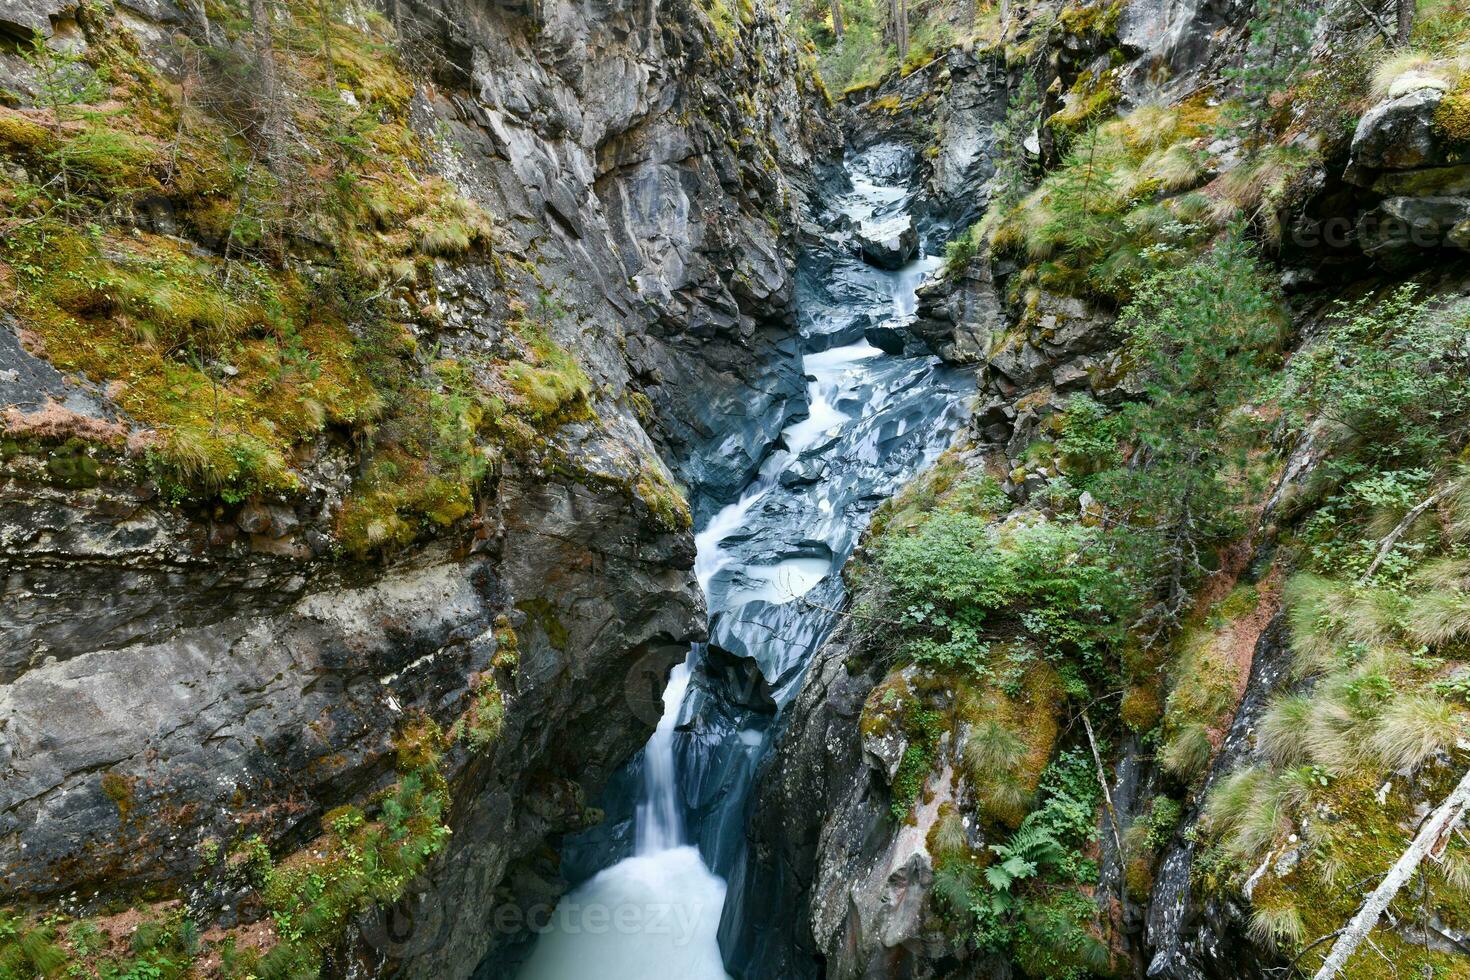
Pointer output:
1421, 182
888, 243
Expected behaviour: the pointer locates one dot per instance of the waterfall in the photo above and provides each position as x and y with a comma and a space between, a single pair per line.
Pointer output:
659, 826
871, 421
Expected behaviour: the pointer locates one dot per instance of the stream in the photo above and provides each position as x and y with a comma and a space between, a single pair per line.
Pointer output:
662, 891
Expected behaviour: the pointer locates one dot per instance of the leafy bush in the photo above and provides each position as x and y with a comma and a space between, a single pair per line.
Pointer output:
1391, 376
957, 585
1165, 467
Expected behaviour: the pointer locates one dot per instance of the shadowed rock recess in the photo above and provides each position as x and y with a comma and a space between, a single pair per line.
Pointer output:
1034, 434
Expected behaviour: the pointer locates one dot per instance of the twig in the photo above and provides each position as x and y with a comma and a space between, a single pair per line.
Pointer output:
1445, 818
1387, 544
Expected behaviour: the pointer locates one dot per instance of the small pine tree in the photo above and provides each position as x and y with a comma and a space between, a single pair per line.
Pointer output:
1280, 38
63, 82
1014, 171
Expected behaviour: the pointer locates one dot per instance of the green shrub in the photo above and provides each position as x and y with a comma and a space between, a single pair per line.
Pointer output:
1201, 340
1391, 376
948, 591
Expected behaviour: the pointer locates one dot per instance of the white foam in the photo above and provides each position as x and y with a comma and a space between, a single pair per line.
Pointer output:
650, 917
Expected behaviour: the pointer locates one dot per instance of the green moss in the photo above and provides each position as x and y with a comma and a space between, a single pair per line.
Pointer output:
1357, 838
1093, 96
363, 857
922, 727
548, 385
664, 500
1091, 20
1112, 213
1012, 735
1452, 115
1141, 708
234, 351
544, 614
357, 863
1202, 693
119, 789
884, 705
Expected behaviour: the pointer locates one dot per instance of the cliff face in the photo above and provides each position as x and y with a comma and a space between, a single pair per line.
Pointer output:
913, 819
188, 668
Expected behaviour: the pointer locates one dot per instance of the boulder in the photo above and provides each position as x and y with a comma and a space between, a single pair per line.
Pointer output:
1408, 224
23, 19
1397, 135
887, 338
888, 243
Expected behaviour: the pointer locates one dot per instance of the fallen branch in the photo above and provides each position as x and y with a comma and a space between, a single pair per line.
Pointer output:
1387, 544
1441, 823
1389, 36
1102, 779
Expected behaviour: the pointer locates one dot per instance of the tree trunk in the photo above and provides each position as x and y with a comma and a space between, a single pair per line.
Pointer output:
903, 30
270, 85
1432, 837
837, 19
1406, 21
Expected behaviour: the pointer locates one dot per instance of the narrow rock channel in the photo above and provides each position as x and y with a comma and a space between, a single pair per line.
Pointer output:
666, 895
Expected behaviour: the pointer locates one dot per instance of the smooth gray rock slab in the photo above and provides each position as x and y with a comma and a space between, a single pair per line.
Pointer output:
1397, 135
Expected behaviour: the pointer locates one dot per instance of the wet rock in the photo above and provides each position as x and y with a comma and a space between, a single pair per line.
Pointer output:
739, 680
887, 338
29, 383
958, 315
888, 243
1172, 43
1191, 939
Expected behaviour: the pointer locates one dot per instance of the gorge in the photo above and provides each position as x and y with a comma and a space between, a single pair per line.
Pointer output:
728, 488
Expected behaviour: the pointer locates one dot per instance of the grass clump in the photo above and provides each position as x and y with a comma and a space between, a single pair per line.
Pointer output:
480, 726
1113, 212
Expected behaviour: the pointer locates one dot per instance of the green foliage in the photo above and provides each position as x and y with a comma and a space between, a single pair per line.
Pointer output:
1113, 212
28, 950
277, 311
358, 863
1027, 902
1280, 36
1201, 340
1164, 815
862, 56
922, 727
947, 592
959, 250
1014, 165
1391, 375
64, 82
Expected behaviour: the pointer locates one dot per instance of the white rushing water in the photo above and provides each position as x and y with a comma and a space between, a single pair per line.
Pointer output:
656, 915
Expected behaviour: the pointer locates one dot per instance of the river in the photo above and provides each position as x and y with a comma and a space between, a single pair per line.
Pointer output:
769, 564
